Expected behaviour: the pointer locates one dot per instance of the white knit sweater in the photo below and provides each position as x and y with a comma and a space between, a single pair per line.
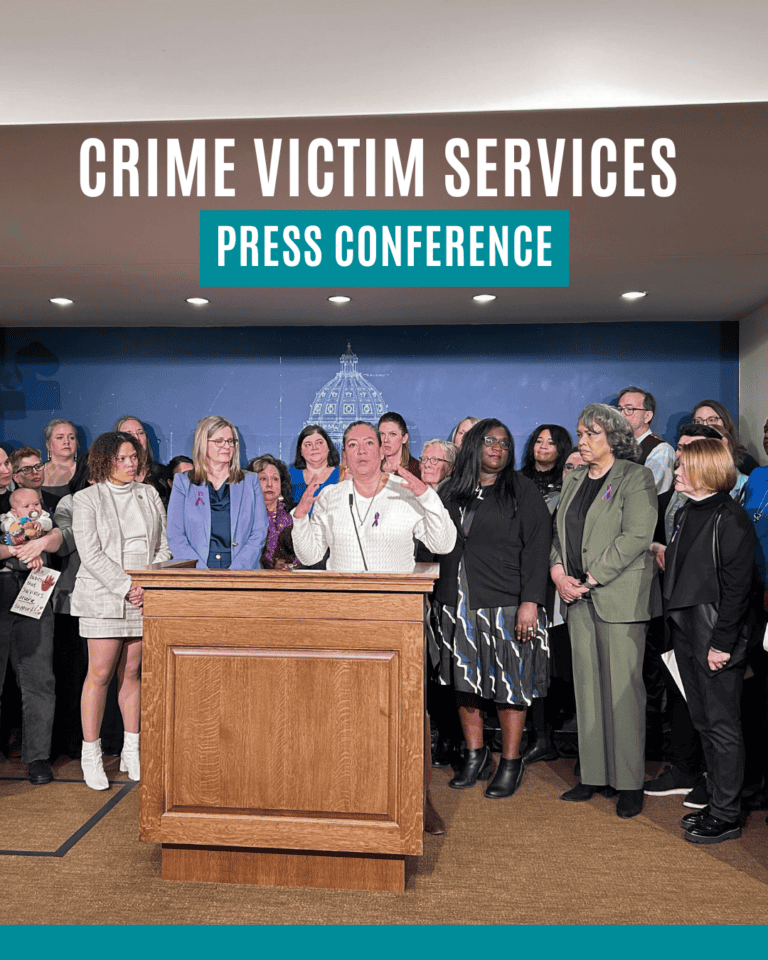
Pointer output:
394, 520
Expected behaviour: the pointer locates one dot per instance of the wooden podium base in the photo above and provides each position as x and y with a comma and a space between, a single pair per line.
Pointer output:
283, 868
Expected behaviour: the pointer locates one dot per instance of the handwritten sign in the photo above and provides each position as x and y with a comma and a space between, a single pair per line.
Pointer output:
36, 592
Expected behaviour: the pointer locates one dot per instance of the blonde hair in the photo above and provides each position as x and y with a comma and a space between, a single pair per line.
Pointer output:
48, 432
708, 464
203, 433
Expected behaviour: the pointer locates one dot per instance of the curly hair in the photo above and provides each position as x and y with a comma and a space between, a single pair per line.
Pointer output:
104, 449
266, 460
333, 454
618, 432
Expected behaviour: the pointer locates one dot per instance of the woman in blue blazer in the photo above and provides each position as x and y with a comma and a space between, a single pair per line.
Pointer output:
217, 515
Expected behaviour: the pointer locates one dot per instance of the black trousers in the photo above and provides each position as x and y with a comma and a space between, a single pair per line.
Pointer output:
714, 702
685, 743
29, 645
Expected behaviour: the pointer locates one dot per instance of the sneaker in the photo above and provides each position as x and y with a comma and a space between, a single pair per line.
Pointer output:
671, 780
699, 796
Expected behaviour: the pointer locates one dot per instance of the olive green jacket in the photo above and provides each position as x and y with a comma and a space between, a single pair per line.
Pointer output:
618, 531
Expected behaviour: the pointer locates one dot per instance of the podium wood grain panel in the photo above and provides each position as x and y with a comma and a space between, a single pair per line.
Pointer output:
283, 868
282, 605
282, 717
247, 738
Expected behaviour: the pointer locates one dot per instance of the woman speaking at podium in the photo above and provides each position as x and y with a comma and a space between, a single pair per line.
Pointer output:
217, 514
370, 522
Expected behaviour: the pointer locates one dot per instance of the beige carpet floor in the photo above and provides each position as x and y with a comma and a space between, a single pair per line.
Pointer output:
531, 859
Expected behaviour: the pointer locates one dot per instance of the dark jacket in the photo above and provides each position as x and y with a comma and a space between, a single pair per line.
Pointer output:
712, 606
506, 555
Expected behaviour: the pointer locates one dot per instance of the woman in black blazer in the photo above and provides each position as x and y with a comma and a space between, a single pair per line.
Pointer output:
492, 641
709, 568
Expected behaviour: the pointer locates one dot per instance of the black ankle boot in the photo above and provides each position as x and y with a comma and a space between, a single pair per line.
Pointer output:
509, 773
477, 766
540, 750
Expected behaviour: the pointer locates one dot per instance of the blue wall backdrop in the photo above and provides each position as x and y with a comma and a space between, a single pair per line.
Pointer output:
266, 379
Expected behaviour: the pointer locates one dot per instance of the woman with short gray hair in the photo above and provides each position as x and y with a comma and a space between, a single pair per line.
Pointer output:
437, 461
602, 567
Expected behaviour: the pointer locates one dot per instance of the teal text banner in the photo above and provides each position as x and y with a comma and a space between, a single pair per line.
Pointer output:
383, 248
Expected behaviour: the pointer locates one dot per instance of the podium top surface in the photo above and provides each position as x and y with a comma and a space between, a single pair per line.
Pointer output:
182, 575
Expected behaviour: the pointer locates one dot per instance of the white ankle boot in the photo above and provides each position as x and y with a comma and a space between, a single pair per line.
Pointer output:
93, 767
129, 758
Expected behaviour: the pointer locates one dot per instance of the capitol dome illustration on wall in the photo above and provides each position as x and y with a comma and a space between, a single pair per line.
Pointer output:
346, 398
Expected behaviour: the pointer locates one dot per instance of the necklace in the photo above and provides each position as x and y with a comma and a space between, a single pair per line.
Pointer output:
361, 520
758, 514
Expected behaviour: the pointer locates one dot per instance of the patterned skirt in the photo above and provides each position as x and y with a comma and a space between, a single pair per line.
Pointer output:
476, 651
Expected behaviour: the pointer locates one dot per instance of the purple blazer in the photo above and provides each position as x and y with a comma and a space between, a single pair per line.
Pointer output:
189, 522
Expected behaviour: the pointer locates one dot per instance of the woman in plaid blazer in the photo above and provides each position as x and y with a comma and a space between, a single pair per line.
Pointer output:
117, 524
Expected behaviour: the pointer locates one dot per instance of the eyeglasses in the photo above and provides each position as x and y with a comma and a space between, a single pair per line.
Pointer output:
709, 421
495, 442
220, 443
35, 468
568, 467
432, 461
628, 411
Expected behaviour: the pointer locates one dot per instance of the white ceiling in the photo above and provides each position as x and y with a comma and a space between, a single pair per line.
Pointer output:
95, 61
74, 61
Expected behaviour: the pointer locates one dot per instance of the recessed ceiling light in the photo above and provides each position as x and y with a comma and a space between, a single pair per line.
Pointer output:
197, 301
61, 301
634, 295
484, 297
339, 299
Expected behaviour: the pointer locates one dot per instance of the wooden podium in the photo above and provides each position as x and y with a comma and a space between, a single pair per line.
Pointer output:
282, 718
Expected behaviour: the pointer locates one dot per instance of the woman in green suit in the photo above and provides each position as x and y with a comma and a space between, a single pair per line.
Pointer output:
603, 570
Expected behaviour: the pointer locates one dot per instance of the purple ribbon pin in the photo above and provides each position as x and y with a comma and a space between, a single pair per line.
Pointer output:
375, 520
607, 494
199, 502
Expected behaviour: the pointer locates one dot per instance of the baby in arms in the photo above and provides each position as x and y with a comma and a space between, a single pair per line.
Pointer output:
26, 521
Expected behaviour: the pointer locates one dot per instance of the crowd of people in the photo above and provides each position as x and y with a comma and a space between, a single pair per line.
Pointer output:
620, 573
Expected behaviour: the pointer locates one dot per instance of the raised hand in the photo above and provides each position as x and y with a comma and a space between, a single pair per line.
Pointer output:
308, 498
412, 482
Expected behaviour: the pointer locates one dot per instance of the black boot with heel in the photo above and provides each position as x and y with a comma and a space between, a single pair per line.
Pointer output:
509, 774
477, 766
